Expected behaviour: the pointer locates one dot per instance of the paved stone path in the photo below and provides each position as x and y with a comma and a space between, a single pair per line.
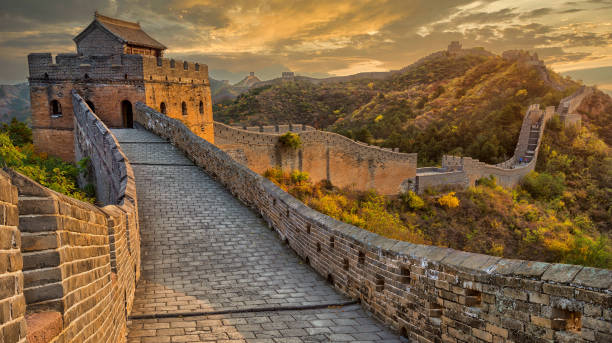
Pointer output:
204, 251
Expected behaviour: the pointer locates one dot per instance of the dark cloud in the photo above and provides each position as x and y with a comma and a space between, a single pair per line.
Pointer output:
536, 13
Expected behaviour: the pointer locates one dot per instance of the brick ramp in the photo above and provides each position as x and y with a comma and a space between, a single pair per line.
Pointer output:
212, 271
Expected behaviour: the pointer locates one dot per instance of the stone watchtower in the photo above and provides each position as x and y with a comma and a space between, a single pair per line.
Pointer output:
116, 65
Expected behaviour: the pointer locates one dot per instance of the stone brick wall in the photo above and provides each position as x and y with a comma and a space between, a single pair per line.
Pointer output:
174, 82
99, 42
464, 171
280, 129
430, 294
435, 179
67, 265
113, 177
324, 155
12, 300
106, 82
80, 262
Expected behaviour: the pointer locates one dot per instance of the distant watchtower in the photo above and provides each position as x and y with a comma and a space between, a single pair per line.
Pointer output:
454, 47
116, 65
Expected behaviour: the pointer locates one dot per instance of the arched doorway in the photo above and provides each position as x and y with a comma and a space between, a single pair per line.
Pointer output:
91, 105
162, 107
127, 114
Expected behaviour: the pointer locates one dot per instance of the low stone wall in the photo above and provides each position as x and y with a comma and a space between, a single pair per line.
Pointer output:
12, 300
428, 293
434, 179
72, 266
115, 187
280, 129
324, 155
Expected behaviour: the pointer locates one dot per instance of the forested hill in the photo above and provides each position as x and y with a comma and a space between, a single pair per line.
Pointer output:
470, 102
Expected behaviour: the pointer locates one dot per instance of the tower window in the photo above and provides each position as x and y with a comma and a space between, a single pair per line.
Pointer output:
162, 107
172, 64
185, 65
184, 108
201, 107
56, 109
197, 67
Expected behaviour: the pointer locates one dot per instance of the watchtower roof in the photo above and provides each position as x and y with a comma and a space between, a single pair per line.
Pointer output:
126, 31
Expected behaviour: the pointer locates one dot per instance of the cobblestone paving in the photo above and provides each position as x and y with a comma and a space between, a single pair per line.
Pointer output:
348, 324
203, 251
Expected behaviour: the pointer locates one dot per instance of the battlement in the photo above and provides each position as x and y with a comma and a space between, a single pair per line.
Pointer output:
76, 67
277, 128
171, 70
115, 67
525, 56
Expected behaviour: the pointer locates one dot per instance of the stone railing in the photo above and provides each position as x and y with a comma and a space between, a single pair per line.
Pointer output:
71, 267
113, 177
275, 128
428, 293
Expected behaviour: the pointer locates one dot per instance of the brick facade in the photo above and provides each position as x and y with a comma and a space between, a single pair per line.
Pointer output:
12, 299
112, 80
428, 293
324, 155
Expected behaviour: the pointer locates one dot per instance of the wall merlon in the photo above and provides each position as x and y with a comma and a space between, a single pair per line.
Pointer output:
171, 70
85, 68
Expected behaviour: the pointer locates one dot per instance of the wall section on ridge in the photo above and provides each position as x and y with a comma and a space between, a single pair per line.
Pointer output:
324, 155
427, 293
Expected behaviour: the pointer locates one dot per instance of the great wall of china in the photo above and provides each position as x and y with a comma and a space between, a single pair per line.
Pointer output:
70, 270
324, 155
344, 162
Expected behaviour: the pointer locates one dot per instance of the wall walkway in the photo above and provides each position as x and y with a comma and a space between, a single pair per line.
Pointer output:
205, 252
429, 294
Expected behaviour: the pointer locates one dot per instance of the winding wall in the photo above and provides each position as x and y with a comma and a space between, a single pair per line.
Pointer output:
324, 155
430, 294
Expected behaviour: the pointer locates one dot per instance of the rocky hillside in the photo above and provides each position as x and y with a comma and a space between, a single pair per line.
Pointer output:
15, 102
468, 102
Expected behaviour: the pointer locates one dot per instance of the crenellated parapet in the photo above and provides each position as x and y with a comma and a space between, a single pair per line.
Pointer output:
84, 68
170, 70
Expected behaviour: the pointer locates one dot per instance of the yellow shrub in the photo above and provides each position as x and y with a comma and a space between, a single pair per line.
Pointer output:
449, 200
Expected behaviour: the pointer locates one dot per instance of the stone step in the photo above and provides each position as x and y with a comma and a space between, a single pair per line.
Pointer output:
38, 241
38, 223
42, 276
51, 291
40, 259
37, 205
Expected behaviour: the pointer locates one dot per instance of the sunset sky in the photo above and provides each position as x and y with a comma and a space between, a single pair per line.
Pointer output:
315, 37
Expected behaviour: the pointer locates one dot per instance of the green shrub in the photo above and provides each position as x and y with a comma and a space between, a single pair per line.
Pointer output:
290, 140
543, 186
489, 181
412, 201
299, 177
19, 133
50, 172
